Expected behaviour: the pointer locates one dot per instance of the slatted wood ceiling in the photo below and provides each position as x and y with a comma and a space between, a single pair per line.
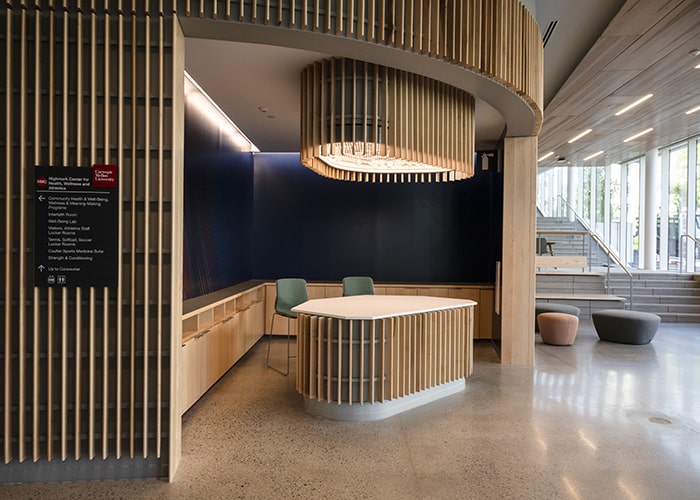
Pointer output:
645, 49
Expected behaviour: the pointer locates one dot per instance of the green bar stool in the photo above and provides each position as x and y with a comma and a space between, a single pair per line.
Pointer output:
290, 293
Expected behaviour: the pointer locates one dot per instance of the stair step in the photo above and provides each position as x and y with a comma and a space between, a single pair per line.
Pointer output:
679, 282
569, 283
674, 297
679, 318
667, 308
681, 292
665, 299
656, 278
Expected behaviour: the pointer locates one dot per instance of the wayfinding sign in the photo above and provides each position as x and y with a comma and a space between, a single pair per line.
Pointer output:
76, 226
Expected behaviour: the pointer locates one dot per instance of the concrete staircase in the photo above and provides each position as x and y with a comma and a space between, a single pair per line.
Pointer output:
674, 297
583, 290
570, 244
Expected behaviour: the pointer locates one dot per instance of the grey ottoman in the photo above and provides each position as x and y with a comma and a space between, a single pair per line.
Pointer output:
553, 307
625, 327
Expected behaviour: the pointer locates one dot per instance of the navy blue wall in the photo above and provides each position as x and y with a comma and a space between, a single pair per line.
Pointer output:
218, 206
266, 216
309, 226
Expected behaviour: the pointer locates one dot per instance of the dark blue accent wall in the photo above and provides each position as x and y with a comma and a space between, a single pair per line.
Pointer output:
218, 209
266, 216
309, 226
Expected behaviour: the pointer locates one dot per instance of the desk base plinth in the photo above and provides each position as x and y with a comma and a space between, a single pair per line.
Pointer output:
368, 369
377, 411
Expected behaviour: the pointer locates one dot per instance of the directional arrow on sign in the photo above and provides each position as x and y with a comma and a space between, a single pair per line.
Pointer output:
41, 267
41, 197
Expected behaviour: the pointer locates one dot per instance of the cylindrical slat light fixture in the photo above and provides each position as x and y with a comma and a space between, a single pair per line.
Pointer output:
363, 121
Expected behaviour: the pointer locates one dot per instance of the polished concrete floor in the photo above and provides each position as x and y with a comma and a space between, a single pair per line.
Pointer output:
592, 421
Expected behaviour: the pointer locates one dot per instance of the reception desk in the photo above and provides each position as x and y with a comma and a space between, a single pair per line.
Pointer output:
368, 357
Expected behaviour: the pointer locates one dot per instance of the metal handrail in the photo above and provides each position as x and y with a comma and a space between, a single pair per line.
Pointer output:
608, 251
695, 241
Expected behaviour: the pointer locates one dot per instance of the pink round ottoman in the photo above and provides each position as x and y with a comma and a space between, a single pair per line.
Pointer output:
557, 328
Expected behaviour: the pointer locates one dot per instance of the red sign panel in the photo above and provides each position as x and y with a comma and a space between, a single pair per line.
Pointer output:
104, 176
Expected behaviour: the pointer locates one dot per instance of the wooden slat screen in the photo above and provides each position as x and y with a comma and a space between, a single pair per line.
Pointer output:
498, 38
86, 370
400, 114
398, 356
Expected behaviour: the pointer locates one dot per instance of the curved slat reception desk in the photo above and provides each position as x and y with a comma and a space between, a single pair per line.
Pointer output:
368, 357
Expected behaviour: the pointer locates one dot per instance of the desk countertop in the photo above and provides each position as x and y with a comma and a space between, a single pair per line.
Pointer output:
371, 307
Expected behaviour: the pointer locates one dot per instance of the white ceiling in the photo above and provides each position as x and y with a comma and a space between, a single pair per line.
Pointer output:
257, 77
578, 25
259, 89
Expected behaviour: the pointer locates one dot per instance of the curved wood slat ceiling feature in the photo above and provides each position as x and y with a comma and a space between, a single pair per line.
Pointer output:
490, 48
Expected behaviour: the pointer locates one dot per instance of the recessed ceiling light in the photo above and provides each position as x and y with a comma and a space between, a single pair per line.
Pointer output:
638, 135
585, 132
218, 116
262, 109
546, 156
694, 52
692, 110
635, 103
590, 157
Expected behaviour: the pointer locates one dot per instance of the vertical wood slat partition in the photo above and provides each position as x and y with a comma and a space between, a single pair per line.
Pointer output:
88, 82
407, 354
88, 372
423, 131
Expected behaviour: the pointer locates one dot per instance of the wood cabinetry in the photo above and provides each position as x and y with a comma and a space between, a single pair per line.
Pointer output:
483, 295
218, 329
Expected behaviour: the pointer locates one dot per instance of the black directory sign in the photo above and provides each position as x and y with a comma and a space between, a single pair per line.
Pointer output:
76, 226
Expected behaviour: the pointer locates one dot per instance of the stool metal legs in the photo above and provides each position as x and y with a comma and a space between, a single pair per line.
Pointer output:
269, 343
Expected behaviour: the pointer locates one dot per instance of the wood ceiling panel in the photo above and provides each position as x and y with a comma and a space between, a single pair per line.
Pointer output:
643, 50
596, 60
637, 16
597, 86
664, 38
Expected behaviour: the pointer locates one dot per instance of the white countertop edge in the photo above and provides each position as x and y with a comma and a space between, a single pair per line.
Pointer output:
372, 307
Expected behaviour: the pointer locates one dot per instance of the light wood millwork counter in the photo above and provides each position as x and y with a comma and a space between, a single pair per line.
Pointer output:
217, 330
219, 327
369, 357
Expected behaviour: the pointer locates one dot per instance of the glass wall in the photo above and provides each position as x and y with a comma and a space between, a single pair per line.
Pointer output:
610, 200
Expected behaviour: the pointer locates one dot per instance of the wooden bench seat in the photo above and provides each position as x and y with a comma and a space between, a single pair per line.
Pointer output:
561, 261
